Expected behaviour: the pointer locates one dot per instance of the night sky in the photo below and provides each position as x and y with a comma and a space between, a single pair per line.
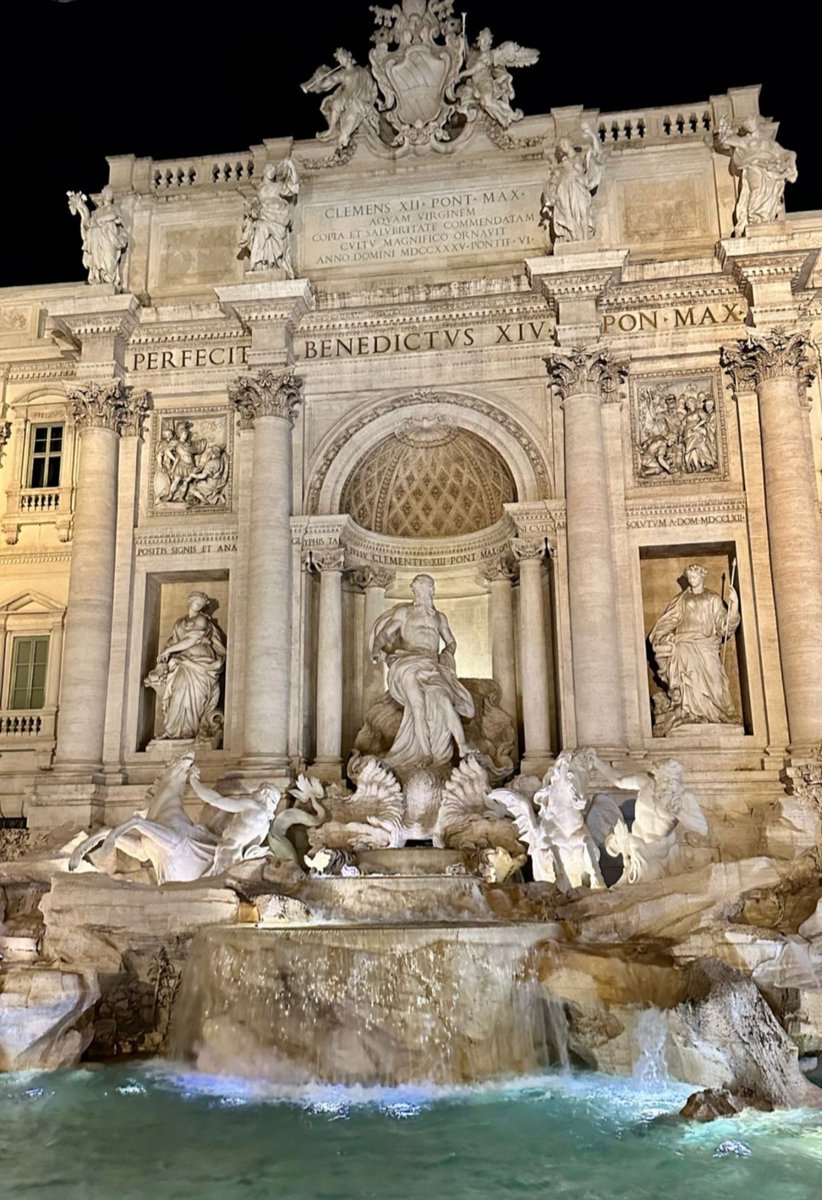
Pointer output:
87, 78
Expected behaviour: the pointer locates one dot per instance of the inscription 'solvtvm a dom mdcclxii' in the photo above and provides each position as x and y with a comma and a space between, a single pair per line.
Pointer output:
451, 427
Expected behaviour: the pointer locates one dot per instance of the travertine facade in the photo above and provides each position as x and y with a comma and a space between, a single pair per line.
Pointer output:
405, 360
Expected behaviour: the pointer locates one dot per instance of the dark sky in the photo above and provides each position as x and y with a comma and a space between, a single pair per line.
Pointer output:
87, 78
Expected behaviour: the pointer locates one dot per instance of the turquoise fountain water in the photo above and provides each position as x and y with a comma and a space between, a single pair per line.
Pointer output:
130, 1133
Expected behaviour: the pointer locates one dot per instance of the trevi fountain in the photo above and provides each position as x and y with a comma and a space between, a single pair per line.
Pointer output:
411, 656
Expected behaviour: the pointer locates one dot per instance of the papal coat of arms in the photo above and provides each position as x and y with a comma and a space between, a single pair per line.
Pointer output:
425, 82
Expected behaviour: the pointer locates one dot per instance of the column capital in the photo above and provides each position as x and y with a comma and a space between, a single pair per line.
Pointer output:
589, 370
780, 353
373, 576
138, 405
534, 548
110, 405
267, 393
325, 558
501, 567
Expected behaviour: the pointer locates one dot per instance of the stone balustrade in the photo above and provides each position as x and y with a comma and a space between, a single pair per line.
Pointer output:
27, 723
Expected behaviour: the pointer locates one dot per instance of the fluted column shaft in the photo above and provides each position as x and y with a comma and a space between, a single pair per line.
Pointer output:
777, 366
533, 650
267, 404
375, 580
503, 656
101, 412
585, 379
329, 562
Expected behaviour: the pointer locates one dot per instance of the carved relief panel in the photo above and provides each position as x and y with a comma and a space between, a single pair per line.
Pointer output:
191, 453
678, 428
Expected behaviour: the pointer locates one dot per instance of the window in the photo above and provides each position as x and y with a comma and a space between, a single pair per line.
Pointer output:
28, 672
46, 456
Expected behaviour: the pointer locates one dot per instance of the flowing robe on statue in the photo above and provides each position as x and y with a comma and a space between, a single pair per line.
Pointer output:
105, 241
192, 687
686, 641
426, 735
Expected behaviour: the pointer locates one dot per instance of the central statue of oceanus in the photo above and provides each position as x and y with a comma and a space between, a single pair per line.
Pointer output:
422, 678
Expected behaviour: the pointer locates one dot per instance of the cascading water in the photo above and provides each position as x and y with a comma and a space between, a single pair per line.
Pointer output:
558, 1033
652, 1039
362, 1004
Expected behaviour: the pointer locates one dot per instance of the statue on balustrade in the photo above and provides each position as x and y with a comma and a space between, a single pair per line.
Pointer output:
352, 99
568, 197
269, 219
485, 84
422, 678
687, 642
188, 674
763, 168
104, 237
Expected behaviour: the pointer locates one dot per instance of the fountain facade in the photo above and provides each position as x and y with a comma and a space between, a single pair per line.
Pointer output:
356, 725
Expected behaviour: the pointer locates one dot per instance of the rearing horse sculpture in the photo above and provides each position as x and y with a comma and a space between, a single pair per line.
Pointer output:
178, 849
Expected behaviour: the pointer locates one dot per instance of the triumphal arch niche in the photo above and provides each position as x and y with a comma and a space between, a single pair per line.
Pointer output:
555, 371
434, 482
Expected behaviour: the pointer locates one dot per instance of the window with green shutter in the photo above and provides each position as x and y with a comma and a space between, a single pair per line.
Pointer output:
29, 661
45, 456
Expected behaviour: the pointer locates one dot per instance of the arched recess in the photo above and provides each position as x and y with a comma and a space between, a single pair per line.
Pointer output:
359, 432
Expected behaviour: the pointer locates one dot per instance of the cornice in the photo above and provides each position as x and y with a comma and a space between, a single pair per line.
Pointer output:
662, 293
424, 316
34, 371
366, 549
34, 557
187, 331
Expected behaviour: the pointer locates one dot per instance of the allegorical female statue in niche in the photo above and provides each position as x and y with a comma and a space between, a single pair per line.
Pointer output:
188, 673
687, 643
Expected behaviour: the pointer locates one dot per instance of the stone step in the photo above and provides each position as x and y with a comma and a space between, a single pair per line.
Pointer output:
19, 950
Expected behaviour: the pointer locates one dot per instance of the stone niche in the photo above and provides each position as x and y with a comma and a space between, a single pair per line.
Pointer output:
662, 574
458, 596
166, 601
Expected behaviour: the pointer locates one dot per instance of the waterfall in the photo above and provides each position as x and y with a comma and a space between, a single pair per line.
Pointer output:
652, 1038
363, 1004
556, 1021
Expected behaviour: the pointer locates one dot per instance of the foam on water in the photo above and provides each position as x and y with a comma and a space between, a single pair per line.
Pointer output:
166, 1131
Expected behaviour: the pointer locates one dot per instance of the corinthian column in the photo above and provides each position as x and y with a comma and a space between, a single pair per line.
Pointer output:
373, 581
533, 654
267, 403
500, 574
777, 366
101, 413
329, 561
585, 380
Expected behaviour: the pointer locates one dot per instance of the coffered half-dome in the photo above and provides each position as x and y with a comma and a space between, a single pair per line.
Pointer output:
429, 479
